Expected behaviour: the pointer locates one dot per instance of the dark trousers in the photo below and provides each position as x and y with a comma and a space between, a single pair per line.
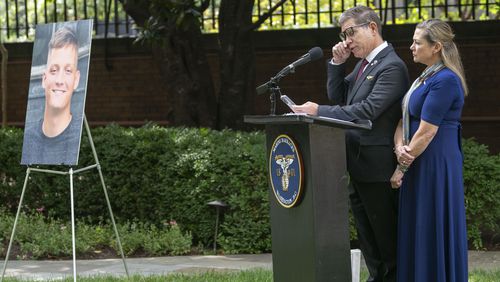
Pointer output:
375, 210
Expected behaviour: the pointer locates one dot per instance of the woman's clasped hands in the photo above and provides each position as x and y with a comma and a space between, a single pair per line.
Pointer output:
405, 159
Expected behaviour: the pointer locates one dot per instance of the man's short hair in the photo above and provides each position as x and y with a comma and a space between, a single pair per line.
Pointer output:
361, 14
64, 36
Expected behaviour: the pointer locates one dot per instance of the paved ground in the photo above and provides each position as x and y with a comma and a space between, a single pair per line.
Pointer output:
40, 270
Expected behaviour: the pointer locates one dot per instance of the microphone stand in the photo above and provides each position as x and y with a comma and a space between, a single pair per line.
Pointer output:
274, 89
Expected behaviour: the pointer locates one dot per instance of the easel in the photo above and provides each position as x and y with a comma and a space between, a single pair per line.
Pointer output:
71, 172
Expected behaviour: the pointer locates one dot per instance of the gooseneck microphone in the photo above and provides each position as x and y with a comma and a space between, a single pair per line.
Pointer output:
312, 55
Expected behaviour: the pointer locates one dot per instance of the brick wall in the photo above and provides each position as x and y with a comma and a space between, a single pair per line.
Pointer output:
125, 86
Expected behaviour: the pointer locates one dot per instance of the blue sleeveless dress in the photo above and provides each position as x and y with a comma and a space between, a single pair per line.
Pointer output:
432, 239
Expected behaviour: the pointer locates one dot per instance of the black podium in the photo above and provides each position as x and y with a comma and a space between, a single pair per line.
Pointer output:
310, 240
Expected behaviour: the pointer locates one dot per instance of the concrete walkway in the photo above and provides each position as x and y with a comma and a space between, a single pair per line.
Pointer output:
42, 270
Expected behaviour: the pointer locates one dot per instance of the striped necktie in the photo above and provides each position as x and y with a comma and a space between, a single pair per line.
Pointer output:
363, 65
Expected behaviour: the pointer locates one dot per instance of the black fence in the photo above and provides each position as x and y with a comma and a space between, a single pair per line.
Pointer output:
18, 18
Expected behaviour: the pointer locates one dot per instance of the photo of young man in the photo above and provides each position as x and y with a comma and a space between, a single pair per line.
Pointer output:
54, 119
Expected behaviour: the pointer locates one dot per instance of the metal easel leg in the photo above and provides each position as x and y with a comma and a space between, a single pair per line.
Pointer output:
73, 240
87, 128
15, 223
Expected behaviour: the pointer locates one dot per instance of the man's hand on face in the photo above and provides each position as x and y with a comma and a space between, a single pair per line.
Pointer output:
341, 52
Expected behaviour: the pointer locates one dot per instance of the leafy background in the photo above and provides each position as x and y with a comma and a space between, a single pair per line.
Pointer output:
156, 175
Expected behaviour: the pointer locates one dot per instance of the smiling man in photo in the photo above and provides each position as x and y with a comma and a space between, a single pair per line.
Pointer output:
50, 139
60, 79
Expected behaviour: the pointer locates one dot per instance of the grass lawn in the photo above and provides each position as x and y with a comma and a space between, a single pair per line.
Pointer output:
255, 275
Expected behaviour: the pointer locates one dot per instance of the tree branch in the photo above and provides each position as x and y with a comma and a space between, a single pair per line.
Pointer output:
3, 82
204, 5
138, 10
266, 15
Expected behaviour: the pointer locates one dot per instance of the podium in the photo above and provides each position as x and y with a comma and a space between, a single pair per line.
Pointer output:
310, 233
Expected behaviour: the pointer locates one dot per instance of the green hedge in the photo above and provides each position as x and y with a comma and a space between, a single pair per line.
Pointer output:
482, 192
156, 174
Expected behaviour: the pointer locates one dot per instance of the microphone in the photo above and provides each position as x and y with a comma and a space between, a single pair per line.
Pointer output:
312, 55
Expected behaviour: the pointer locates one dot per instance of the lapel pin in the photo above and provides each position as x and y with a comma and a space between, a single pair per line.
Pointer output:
370, 77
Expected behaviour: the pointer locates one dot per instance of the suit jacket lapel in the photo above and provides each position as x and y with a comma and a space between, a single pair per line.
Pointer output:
377, 60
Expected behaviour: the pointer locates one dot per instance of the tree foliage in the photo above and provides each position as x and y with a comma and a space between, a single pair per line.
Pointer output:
21, 16
167, 17
172, 28
292, 15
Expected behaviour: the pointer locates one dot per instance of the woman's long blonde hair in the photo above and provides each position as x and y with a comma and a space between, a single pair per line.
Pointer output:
439, 31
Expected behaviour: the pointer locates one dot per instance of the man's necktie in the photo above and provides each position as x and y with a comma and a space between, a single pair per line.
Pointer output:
363, 65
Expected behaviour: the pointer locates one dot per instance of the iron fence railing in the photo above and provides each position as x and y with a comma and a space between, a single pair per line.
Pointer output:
325, 13
18, 18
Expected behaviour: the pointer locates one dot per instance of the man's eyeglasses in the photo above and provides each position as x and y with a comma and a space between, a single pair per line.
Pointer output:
349, 32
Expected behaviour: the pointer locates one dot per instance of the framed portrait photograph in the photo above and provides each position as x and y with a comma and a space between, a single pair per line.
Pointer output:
57, 90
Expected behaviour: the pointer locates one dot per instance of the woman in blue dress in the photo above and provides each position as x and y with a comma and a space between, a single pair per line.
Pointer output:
432, 239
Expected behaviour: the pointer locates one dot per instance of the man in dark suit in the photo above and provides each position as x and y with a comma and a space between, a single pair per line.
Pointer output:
373, 91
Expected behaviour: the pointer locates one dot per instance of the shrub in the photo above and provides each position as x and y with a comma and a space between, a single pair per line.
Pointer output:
154, 241
167, 241
482, 194
155, 174
40, 237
